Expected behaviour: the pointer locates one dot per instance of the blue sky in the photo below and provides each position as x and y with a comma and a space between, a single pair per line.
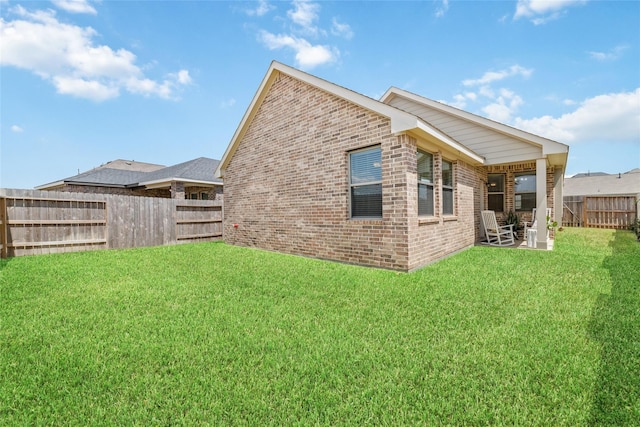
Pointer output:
85, 82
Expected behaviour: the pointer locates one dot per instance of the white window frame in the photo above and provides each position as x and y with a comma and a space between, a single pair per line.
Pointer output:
353, 185
450, 188
428, 185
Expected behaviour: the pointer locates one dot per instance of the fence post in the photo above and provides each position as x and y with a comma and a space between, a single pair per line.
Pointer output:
585, 218
3, 228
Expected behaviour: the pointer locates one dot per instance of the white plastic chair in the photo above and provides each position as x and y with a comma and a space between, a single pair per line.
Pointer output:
497, 235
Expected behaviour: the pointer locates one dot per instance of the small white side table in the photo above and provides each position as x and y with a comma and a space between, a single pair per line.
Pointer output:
532, 235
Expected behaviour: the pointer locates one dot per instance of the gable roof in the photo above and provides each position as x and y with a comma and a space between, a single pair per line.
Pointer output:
401, 121
600, 184
497, 142
197, 172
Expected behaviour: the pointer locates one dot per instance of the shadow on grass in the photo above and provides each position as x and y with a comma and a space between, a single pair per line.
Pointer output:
615, 324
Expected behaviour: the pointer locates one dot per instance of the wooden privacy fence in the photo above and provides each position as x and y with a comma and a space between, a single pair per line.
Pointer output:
38, 222
617, 212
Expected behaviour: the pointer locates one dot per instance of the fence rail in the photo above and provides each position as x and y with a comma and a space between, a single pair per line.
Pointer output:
38, 222
617, 212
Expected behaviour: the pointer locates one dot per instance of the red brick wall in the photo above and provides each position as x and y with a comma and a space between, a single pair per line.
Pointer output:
432, 238
286, 186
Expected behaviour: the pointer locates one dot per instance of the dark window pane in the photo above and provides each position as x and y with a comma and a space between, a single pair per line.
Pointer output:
366, 201
425, 167
496, 183
447, 201
496, 202
447, 173
366, 166
525, 201
425, 199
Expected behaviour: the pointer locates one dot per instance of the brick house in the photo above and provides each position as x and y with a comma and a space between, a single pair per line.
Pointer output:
188, 180
318, 170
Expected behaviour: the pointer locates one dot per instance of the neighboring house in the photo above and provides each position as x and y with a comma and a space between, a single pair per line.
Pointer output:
191, 180
316, 169
602, 184
602, 200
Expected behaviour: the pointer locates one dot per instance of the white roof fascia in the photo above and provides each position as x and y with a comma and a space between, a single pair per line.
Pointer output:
50, 185
548, 146
401, 121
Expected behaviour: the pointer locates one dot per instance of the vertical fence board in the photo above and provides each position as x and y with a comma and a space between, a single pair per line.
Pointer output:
616, 212
34, 222
3, 227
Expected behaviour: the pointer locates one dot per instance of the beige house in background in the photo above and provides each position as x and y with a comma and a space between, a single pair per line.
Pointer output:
316, 169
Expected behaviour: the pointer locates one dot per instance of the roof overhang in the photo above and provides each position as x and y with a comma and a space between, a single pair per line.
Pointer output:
51, 185
555, 152
57, 184
401, 121
166, 183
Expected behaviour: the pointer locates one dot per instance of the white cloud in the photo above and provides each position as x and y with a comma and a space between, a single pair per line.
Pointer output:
66, 55
543, 11
262, 9
304, 13
611, 55
609, 118
499, 104
88, 89
492, 76
442, 9
339, 29
503, 107
182, 77
307, 55
16, 129
75, 6
303, 19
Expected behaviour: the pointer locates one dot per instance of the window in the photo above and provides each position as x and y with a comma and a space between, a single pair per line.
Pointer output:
447, 187
496, 192
425, 184
204, 196
194, 196
365, 181
525, 192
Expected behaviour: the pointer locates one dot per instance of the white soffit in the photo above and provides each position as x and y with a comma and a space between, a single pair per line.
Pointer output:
549, 147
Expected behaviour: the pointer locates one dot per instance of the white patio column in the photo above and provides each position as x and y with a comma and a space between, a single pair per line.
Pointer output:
558, 196
541, 203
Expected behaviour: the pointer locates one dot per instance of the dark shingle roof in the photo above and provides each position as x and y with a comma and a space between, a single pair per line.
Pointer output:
107, 176
200, 169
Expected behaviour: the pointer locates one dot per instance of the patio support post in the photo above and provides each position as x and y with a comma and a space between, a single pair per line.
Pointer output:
541, 203
558, 197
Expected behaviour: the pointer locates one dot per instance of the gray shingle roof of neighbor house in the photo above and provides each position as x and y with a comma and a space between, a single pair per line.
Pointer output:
115, 174
200, 169
599, 184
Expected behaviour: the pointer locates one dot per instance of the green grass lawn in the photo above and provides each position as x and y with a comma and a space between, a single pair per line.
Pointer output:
211, 334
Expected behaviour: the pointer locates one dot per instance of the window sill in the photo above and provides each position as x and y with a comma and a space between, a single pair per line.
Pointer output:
367, 219
449, 218
429, 220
